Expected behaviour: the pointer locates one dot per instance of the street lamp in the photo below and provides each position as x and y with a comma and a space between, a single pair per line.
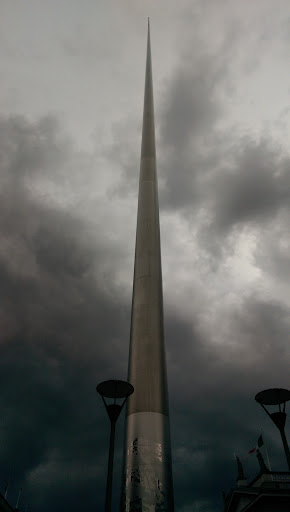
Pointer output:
276, 396
116, 389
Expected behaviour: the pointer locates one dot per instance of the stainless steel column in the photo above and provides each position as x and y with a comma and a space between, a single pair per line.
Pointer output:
147, 474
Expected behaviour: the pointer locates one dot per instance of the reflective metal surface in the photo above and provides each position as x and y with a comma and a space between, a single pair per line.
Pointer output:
147, 478
147, 473
147, 364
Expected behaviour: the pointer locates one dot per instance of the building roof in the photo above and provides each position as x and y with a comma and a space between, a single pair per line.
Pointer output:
266, 492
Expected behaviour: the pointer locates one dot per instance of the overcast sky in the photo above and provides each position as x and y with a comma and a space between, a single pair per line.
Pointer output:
71, 100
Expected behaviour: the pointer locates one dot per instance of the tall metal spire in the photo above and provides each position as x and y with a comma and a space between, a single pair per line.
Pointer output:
147, 483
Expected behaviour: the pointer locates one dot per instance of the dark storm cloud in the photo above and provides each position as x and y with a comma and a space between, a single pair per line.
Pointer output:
272, 252
255, 187
123, 153
64, 316
56, 310
191, 106
50, 424
219, 181
222, 185
26, 149
248, 191
212, 388
65, 326
255, 340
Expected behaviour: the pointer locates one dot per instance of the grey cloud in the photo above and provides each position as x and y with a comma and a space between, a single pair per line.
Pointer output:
57, 334
124, 154
256, 186
226, 181
29, 149
248, 192
64, 316
272, 251
67, 327
212, 389
219, 181
191, 106
255, 340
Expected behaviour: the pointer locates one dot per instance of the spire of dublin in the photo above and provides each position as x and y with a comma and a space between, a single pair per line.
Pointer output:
147, 471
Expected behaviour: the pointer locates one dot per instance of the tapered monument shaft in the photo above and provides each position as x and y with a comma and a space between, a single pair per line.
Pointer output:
147, 484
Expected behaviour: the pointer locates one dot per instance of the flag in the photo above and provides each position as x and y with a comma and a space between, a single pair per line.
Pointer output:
258, 445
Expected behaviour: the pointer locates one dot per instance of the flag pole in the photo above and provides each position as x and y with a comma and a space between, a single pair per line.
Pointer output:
6, 488
5, 491
20, 490
267, 455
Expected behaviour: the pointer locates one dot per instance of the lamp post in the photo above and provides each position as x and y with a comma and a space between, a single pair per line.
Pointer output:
115, 389
276, 396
